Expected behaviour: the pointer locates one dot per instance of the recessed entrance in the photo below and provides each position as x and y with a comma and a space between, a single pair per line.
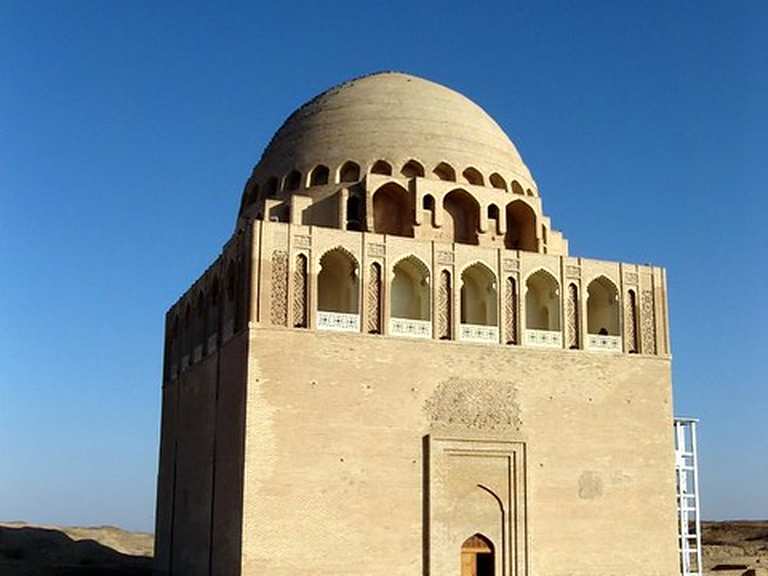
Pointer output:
477, 557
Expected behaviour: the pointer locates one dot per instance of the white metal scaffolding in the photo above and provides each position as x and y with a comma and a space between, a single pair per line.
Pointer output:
687, 473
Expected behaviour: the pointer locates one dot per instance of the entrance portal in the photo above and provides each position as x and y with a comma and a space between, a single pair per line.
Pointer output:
477, 557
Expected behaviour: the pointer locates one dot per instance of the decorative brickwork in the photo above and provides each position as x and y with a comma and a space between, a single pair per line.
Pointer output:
279, 304
300, 292
648, 323
572, 320
510, 311
374, 299
444, 306
630, 323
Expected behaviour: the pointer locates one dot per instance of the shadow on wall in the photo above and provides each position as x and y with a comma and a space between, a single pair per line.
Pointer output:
32, 551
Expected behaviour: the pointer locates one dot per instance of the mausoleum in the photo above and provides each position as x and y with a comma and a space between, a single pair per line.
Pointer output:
396, 367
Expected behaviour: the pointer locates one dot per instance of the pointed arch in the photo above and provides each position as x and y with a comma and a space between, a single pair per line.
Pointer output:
473, 176
602, 307
542, 301
393, 210
292, 181
462, 216
479, 295
382, 167
478, 556
445, 171
337, 282
517, 189
521, 227
319, 175
412, 169
349, 172
410, 289
498, 182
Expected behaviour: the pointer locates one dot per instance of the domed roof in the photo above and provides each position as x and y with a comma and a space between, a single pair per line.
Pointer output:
395, 117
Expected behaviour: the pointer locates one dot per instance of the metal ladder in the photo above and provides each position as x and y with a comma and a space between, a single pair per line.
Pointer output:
687, 476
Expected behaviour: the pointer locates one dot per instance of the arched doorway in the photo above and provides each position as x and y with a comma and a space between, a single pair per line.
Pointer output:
477, 557
337, 292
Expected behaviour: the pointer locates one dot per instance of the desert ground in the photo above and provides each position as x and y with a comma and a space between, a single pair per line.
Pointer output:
730, 548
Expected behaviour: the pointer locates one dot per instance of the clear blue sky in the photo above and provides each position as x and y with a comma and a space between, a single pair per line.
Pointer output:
127, 131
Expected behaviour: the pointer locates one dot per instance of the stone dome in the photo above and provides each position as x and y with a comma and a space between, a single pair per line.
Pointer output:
393, 117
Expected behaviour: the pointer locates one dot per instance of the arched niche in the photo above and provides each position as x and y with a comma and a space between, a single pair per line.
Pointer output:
271, 187
349, 172
410, 290
292, 181
382, 167
517, 189
412, 169
392, 210
473, 176
602, 307
462, 216
542, 302
478, 296
497, 181
521, 227
337, 282
478, 556
445, 171
354, 212
319, 175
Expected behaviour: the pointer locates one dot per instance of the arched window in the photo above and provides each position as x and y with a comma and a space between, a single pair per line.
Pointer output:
392, 210
478, 557
473, 176
271, 187
542, 302
497, 181
428, 204
493, 217
478, 296
410, 290
319, 176
445, 172
530, 192
292, 181
516, 188
354, 213
462, 217
337, 290
382, 167
412, 169
521, 227
349, 172
602, 307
